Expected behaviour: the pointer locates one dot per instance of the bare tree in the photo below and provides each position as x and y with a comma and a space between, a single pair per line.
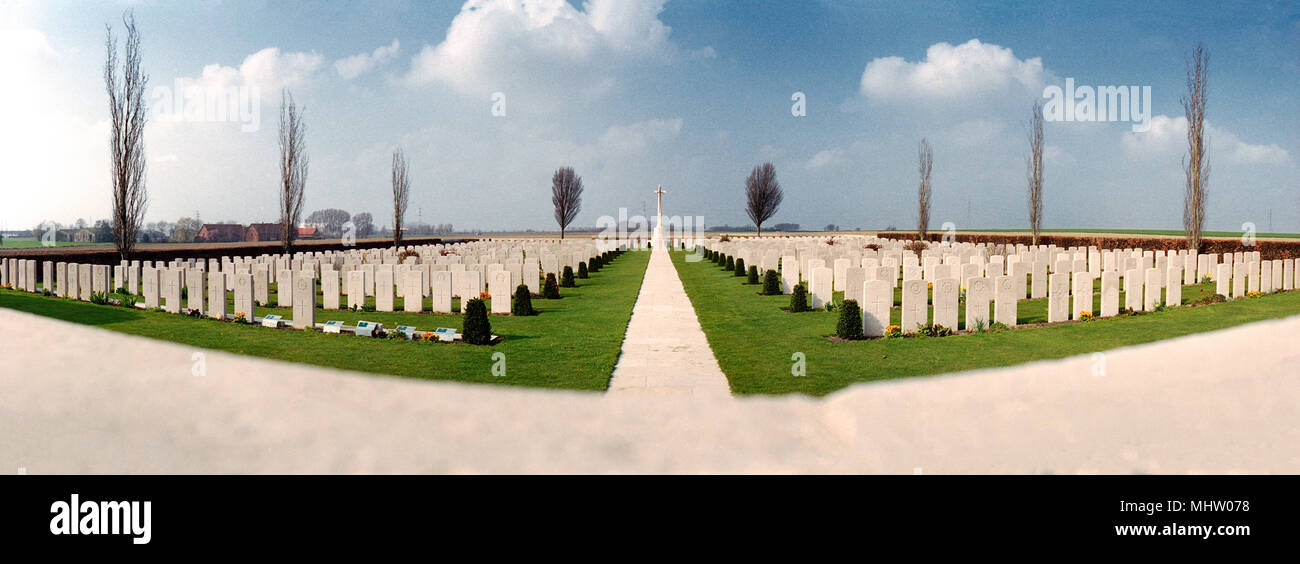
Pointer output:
1197, 163
926, 157
401, 192
293, 169
763, 195
566, 194
1034, 170
127, 114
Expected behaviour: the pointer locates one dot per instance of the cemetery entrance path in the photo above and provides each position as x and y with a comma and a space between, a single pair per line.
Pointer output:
665, 351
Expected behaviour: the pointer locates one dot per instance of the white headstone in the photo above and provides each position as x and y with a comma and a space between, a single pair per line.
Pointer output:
945, 302
915, 306
1081, 291
304, 300
1151, 288
1005, 300
216, 295
979, 292
878, 298
1058, 297
441, 291
244, 296
500, 290
1109, 293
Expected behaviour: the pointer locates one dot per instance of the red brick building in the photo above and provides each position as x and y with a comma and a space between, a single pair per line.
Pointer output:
220, 233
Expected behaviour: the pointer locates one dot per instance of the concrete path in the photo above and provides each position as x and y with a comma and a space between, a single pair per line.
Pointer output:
665, 351
79, 399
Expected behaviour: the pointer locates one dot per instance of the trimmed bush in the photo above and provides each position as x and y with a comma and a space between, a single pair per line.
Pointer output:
731, 263
566, 279
850, 324
476, 328
752, 275
523, 302
771, 283
551, 290
593, 265
582, 270
739, 267
799, 299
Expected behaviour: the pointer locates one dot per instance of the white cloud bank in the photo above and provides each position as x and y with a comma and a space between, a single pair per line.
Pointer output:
357, 65
496, 45
951, 72
1168, 136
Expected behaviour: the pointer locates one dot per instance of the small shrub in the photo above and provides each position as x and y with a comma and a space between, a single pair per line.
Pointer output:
731, 263
830, 306
128, 301
998, 327
476, 328
523, 303
752, 275
933, 330
120, 290
771, 283
582, 270
850, 324
739, 267
799, 299
1085, 316
916, 246
1205, 279
724, 238
893, 332
566, 278
551, 289
98, 298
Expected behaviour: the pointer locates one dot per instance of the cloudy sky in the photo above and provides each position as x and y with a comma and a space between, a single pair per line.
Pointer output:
690, 94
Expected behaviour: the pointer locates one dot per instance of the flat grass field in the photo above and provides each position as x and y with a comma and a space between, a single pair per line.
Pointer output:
573, 343
30, 243
754, 340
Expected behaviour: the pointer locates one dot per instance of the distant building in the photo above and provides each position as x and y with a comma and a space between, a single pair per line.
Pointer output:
75, 235
308, 233
262, 232
220, 233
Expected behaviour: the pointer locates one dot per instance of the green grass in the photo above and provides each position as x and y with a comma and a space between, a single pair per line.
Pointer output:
754, 340
29, 243
573, 343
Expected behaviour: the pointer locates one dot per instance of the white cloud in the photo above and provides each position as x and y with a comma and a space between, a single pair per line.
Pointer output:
952, 72
637, 137
356, 65
269, 70
498, 45
825, 157
1168, 137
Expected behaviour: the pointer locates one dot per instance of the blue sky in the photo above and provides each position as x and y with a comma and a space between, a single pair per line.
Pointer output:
687, 93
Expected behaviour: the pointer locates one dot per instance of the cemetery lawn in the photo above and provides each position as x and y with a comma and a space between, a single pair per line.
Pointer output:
573, 343
753, 339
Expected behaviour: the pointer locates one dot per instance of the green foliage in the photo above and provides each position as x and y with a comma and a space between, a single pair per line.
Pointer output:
933, 330
582, 269
850, 323
98, 298
799, 299
476, 328
771, 283
752, 275
739, 267
551, 289
566, 278
523, 302
731, 263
